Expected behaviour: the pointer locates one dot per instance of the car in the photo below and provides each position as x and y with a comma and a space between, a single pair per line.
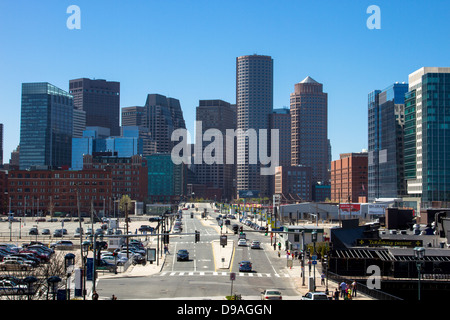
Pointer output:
245, 266
271, 294
45, 231
14, 265
57, 233
176, 229
61, 244
315, 296
145, 228
112, 260
78, 232
33, 231
102, 264
255, 244
182, 254
242, 236
11, 287
242, 243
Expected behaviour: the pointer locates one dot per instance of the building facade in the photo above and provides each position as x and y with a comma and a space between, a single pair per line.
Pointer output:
386, 118
1, 144
293, 183
46, 126
162, 115
309, 128
100, 99
50, 192
427, 136
219, 115
254, 104
349, 178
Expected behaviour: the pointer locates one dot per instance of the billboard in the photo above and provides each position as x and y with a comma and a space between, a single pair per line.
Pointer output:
248, 193
350, 208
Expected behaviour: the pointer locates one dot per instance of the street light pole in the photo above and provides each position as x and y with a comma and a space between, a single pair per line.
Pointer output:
419, 254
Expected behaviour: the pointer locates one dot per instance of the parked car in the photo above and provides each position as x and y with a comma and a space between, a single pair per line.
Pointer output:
14, 265
245, 266
271, 294
145, 228
61, 244
255, 244
315, 296
57, 233
102, 264
45, 231
113, 260
33, 231
10, 287
183, 255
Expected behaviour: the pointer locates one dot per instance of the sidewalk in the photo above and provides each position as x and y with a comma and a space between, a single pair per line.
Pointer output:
295, 274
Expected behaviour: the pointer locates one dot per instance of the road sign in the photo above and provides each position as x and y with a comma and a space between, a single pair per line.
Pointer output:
314, 257
314, 262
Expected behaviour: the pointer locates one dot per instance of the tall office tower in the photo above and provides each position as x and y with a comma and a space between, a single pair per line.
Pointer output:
133, 116
162, 116
281, 119
1, 144
46, 126
254, 104
427, 135
216, 114
79, 123
309, 133
386, 118
100, 99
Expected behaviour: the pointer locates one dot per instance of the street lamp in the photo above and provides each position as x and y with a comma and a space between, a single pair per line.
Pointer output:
419, 254
30, 280
52, 282
314, 240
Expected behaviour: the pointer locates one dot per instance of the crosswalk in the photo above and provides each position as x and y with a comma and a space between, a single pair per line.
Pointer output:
224, 274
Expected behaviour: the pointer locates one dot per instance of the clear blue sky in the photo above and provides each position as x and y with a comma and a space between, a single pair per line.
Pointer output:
187, 49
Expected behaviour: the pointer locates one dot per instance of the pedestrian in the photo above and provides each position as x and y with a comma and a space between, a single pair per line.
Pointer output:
113, 297
166, 249
94, 295
322, 276
336, 294
354, 288
343, 286
279, 254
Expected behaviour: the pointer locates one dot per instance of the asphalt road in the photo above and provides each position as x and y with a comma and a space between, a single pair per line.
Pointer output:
201, 277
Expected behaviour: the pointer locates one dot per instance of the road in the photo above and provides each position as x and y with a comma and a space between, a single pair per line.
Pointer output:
203, 276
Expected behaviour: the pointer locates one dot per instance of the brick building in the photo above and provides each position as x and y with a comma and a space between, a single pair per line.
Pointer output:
349, 178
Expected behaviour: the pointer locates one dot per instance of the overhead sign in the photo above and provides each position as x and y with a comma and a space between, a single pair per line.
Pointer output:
389, 243
376, 208
248, 193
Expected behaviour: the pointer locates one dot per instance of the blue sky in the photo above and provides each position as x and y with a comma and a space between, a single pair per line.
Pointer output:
187, 49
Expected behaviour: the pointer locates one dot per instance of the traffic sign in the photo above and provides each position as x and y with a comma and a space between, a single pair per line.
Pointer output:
314, 257
314, 262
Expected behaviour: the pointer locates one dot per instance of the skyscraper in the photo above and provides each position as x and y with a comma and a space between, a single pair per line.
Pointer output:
1, 144
216, 114
100, 99
386, 117
46, 126
162, 115
427, 135
254, 104
309, 132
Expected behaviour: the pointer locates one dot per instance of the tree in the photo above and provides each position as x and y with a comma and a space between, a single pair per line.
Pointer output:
125, 202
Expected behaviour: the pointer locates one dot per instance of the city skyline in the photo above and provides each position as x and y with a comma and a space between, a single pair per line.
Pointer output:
193, 57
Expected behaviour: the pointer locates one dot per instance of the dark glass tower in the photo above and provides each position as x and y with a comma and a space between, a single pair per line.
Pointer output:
46, 126
100, 99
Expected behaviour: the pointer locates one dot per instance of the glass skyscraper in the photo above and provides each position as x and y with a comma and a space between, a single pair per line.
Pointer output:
46, 126
385, 126
427, 135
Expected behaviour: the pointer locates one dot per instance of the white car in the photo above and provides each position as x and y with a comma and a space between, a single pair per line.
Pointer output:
271, 294
315, 296
242, 242
255, 244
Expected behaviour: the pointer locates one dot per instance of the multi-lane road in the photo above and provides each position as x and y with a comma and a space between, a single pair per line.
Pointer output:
202, 276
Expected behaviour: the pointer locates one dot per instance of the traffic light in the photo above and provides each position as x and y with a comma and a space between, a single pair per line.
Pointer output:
241, 229
267, 231
197, 236
166, 238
